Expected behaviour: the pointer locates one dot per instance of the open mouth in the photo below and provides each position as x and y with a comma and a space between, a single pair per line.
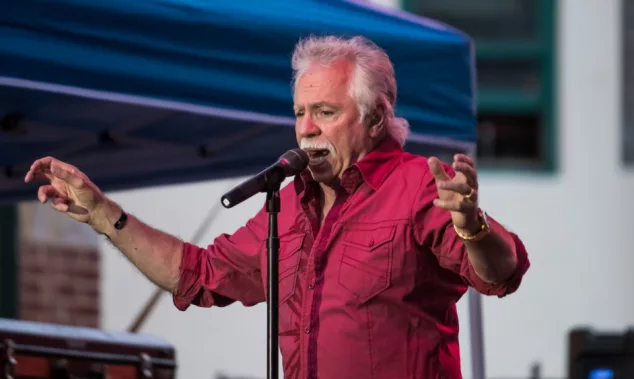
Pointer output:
317, 155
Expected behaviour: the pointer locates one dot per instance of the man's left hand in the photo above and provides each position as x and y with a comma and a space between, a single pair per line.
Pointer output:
460, 194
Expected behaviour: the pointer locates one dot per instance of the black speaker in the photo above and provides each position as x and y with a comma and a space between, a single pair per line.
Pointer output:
600, 355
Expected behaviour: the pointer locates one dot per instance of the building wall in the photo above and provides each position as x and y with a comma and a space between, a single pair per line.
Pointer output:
58, 268
575, 224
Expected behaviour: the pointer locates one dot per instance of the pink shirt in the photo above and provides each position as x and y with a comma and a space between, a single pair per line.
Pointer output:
369, 294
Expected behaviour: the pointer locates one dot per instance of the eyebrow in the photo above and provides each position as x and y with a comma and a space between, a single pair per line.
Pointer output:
316, 105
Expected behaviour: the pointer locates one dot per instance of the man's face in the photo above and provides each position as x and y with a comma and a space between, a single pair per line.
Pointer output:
327, 121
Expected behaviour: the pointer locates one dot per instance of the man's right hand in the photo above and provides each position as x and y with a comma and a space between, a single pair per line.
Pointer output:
71, 192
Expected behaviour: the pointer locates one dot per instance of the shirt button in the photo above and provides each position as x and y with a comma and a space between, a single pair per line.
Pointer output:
311, 285
371, 242
307, 330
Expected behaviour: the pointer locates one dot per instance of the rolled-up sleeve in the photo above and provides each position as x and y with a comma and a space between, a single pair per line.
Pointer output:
227, 271
433, 229
454, 255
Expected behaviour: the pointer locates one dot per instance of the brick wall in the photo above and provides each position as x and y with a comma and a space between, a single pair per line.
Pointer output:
58, 284
59, 266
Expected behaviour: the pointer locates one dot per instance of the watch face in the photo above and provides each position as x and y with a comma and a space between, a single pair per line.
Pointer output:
485, 218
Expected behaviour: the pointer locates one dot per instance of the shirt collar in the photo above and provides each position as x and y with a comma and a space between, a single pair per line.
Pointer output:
380, 162
374, 168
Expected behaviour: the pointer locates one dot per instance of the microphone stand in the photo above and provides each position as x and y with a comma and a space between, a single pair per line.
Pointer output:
273, 248
270, 180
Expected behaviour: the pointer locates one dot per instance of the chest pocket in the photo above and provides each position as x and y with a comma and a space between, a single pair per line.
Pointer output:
366, 261
290, 254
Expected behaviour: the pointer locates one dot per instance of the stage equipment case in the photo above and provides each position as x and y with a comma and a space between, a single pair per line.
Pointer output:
32, 350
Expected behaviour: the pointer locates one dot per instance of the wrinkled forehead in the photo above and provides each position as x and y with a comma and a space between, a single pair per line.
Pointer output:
323, 83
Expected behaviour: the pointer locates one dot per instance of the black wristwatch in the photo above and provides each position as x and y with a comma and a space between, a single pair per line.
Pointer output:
122, 221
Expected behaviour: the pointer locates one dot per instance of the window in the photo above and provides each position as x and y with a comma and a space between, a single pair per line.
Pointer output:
628, 80
515, 63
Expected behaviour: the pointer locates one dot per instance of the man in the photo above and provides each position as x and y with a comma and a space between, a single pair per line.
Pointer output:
377, 245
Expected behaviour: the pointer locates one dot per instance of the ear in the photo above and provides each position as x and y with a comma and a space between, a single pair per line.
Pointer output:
376, 122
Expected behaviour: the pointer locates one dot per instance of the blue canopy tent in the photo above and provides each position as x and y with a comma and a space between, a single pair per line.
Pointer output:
152, 92
144, 93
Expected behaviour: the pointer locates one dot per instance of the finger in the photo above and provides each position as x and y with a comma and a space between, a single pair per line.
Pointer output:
46, 192
469, 173
67, 173
60, 204
437, 170
455, 206
40, 169
38, 175
464, 159
42, 162
462, 188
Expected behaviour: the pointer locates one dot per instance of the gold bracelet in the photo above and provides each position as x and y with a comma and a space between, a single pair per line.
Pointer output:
484, 228
473, 237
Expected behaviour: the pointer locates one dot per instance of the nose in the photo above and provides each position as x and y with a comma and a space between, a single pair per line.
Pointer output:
306, 128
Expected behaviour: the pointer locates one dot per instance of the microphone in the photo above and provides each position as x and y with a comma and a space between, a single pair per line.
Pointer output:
290, 163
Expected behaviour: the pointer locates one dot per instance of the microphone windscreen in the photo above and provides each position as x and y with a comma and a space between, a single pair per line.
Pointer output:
295, 160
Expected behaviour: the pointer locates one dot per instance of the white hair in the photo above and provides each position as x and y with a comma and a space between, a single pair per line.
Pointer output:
373, 84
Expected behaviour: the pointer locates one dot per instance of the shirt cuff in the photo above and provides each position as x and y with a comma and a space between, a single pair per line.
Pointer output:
191, 287
508, 286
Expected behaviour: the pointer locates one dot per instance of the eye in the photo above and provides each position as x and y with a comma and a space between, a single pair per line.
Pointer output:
326, 113
299, 113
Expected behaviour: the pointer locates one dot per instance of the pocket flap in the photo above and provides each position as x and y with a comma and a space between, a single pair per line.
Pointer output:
368, 238
289, 245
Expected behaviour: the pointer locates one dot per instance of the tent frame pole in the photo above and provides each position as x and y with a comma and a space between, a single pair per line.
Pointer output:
150, 305
476, 325
477, 335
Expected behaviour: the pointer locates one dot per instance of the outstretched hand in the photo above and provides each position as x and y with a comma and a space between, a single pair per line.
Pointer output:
460, 194
68, 189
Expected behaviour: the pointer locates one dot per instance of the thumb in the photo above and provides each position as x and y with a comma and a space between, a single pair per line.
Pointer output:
70, 175
437, 170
